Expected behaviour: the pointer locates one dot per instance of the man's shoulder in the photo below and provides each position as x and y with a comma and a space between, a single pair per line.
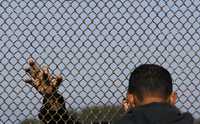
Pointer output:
155, 113
125, 119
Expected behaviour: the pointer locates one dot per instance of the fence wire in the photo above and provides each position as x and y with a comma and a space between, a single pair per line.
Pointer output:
95, 44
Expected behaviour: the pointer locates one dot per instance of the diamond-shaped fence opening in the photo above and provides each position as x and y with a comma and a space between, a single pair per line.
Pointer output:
95, 45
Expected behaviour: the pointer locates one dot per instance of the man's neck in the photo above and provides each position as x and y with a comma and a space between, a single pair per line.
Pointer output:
151, 100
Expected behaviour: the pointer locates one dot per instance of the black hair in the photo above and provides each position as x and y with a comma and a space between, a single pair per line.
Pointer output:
150, 79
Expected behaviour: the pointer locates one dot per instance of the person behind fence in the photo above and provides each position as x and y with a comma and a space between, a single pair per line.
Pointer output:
151, 99
53, 110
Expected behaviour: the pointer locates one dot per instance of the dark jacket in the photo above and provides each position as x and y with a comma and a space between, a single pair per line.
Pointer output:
156, 113
59, 116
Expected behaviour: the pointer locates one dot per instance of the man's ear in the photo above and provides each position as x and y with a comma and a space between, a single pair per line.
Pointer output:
172, 98
131, 99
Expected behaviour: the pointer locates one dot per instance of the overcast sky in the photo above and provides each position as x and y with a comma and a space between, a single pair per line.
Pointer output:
95, 44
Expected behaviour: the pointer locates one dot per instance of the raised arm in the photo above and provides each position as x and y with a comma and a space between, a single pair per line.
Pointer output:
41, 79
53, 108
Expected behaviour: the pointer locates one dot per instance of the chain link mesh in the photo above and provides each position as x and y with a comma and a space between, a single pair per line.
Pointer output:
95, 44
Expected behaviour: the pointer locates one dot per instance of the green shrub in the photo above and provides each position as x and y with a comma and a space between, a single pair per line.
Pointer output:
31, 121
100, 114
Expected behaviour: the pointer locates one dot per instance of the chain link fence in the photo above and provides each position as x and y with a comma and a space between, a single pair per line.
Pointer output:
95, 44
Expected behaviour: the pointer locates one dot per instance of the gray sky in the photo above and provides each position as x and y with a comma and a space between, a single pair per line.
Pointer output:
95, 44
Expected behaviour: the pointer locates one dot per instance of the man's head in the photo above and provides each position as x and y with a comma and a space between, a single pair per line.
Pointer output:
150, 83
